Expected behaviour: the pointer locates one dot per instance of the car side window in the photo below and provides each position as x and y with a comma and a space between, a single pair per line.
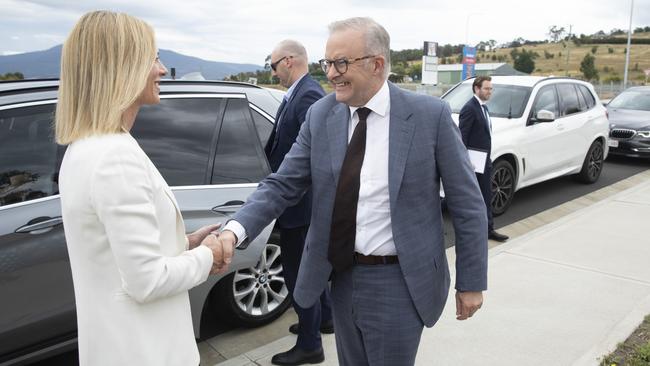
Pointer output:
546, 100
28, 154
178, 136
239, 158
264, 126
569, 99
588, 97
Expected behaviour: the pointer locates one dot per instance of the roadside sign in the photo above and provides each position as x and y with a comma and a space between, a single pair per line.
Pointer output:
469, 59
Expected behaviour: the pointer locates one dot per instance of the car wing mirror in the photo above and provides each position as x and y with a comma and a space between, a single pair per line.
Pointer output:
544, 116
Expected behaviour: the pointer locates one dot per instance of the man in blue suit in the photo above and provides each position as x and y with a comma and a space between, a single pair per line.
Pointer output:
289, 63
476, 131
373, 156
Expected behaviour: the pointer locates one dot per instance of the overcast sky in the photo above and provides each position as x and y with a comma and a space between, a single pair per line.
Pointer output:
245, 31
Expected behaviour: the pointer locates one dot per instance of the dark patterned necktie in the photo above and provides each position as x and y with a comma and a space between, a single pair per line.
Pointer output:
344, 216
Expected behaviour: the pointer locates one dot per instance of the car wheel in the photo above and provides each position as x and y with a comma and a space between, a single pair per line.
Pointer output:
503, 186
593, 164
256, 295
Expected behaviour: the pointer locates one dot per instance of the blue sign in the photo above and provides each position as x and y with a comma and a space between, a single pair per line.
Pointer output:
469, 59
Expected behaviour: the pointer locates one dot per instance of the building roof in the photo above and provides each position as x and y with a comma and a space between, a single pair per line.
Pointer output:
478, 67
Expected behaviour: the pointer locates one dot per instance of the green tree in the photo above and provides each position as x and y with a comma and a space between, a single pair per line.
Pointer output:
594, 49
588, 67
12, 76
524, 61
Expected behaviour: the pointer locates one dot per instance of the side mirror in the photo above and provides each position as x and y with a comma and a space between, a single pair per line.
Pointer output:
544, 116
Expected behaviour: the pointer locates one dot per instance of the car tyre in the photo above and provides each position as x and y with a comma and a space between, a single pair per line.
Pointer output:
593, 164
254, 296
503, 186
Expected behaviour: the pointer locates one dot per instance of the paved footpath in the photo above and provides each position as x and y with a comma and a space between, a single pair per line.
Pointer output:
571, 284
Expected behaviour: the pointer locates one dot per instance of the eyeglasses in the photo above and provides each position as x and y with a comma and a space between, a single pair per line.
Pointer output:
340, 64
274, 65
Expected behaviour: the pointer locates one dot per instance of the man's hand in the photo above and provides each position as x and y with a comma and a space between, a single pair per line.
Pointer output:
467, 303
222, 247
197, 237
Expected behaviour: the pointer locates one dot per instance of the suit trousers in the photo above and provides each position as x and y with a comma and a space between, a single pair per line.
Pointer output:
485, 183
292, 242
375, 319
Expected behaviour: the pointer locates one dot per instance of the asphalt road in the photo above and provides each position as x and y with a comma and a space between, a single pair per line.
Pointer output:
527, 202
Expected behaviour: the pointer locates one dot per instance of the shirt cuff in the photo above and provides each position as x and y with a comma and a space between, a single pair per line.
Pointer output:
237, 229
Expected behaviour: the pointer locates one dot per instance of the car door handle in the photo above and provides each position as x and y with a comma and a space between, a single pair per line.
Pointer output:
40, 225
228, 207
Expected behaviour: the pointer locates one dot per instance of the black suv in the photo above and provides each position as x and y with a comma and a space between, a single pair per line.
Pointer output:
206, 138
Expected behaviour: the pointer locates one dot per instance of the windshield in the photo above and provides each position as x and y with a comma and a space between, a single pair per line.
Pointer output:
639, 100
506, 101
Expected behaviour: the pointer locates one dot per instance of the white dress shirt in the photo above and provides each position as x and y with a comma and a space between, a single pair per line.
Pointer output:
485, 113
374, 235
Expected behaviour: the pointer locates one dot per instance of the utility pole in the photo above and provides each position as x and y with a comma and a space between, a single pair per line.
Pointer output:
568, 50
627, 52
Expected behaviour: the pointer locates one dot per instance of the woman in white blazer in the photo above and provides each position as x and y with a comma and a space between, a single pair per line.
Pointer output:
132, 264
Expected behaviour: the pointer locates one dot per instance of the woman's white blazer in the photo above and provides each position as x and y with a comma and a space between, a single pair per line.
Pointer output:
128, 252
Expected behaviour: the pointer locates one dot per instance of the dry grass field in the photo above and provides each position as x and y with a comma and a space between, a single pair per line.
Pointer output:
610, 59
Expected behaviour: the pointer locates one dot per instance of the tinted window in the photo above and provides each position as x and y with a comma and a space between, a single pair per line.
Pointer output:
506, 101
546, 100
239, 158
588, 97
459, 96
263, 126
569, 99
178, 136
632, 99
28, 154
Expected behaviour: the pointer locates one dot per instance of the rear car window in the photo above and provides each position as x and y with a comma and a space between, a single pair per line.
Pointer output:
28, 154
178, 136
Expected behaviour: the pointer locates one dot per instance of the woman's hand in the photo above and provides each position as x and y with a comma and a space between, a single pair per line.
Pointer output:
197, 237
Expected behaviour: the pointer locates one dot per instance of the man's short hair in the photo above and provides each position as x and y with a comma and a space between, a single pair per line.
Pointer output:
292, 48
376, 37
478, 81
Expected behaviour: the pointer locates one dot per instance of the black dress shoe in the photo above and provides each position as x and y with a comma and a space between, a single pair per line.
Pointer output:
493, 235
325, 328
298, 356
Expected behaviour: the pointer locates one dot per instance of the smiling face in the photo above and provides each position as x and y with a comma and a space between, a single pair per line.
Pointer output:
364, 78
151, 92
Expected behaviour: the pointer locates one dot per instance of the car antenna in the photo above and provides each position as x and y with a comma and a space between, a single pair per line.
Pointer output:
510, 108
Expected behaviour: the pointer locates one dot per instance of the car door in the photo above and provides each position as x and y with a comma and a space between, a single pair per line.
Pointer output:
574, 117
541, 146
207, 149
36, 286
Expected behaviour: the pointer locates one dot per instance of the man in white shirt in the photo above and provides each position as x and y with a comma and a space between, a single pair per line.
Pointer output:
476, 130
373, 156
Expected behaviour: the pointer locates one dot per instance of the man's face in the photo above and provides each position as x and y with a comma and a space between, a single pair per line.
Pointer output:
281, 70
357, 85
485, 92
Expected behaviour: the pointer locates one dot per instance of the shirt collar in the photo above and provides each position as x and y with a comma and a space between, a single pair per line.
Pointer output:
482, 103
292, 88
379, 103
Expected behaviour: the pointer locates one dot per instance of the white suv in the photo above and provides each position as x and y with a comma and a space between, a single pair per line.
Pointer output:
543, 127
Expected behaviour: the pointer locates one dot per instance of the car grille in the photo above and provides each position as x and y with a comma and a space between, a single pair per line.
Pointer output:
621, 133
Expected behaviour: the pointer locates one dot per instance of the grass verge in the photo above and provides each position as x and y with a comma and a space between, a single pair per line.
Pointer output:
635, 351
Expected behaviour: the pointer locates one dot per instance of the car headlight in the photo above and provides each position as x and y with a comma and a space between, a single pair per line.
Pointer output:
644, 134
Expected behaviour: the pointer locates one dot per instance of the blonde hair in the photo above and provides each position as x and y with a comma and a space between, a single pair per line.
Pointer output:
105, 63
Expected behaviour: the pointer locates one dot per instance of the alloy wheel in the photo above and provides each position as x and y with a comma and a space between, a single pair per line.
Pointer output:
259, 290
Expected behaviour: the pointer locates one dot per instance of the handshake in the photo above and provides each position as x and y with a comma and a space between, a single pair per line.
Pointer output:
222, 244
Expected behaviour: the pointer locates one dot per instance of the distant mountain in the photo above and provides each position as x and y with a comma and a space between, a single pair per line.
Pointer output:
46, 64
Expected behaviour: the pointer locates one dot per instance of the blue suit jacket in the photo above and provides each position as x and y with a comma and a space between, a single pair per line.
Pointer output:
474, 128
424, 147
289, 118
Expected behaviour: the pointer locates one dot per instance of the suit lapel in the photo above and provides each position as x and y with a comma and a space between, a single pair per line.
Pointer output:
337, 132
481, 112
400, 135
